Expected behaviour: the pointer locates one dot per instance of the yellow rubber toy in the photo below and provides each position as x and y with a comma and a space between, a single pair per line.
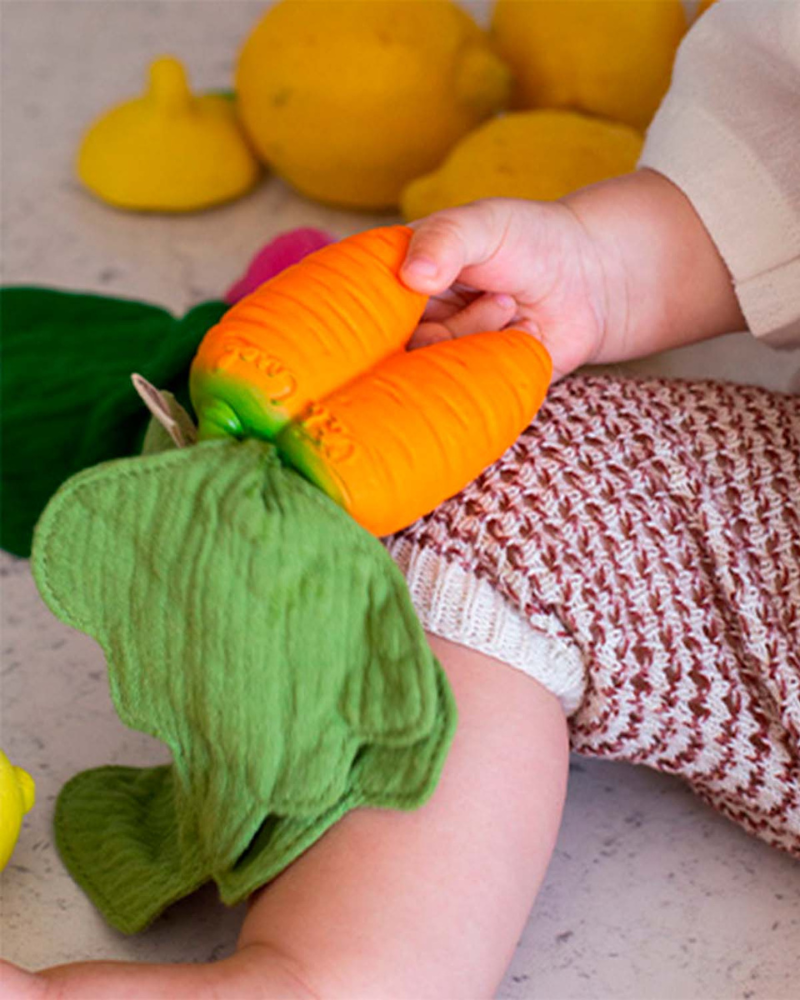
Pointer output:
168, 151
348, 101
541, 155
611, 58
17, 794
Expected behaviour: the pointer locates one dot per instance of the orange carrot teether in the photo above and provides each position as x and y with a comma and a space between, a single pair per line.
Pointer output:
308, 330
314, 360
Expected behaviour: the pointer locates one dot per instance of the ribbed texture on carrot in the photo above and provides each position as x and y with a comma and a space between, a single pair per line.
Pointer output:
311, 328
393, 444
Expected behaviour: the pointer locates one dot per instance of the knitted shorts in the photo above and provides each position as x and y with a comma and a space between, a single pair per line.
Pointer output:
637, 551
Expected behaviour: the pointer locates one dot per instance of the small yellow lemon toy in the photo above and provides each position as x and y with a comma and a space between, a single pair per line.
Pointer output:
526, 154
349, 101
16, 798
168, 151
611, 58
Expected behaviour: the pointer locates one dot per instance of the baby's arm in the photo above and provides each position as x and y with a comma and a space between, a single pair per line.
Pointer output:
728, 134
666, 283
628, 267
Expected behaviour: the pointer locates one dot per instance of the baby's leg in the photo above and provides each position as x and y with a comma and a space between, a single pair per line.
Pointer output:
431, 903
389, 904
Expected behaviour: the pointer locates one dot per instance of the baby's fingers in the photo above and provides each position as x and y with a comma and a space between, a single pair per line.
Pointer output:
489, 312
446, 243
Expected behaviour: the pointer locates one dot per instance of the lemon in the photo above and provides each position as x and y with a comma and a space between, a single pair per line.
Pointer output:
611, 58
526, 154
349, 100
16, 798
168, 151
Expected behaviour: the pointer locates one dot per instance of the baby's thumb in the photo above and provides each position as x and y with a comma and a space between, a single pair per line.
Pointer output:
444, 244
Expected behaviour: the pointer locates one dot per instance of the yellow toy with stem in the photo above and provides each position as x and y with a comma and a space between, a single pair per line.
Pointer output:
17, 795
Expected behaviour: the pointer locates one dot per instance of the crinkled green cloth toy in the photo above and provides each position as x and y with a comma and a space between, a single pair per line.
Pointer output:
66, 399
267, 639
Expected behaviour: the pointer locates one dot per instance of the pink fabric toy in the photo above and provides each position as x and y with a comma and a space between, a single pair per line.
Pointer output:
280, 253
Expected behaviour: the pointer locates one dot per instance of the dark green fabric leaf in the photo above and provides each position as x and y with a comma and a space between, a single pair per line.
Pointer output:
66, 399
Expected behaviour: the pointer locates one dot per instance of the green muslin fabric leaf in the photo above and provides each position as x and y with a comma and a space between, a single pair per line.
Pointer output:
66, 399
266, 638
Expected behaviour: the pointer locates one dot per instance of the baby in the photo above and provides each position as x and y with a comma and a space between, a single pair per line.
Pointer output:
626, 579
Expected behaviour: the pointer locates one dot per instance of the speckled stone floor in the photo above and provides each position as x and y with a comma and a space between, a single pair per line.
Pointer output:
650, 895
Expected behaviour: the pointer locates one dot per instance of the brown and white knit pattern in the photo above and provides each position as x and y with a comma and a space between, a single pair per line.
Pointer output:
648, 531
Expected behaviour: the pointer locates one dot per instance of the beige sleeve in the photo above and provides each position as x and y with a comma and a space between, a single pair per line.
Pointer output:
728, 134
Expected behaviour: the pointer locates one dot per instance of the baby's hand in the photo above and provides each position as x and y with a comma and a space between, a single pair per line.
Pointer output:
503, 262
615, 271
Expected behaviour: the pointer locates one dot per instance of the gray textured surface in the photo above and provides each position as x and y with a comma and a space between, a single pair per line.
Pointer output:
650, 895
